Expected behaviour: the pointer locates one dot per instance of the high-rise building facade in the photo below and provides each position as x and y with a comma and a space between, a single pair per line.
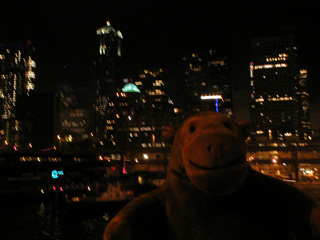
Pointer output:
73, 122
16, 79
279, 100
153, 85
208, 82
141, 109
107, 81
158, 108
37, 116
218, 78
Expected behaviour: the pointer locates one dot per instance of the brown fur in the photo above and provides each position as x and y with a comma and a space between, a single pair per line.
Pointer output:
212, 193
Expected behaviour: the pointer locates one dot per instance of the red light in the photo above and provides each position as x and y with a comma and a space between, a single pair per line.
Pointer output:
15, 148
61, 189
54, 188
113, 168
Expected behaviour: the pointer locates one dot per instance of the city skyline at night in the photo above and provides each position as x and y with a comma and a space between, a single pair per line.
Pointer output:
102, 101
157, 35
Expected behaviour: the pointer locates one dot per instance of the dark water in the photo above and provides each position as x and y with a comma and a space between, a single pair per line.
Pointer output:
25, 217
29, 217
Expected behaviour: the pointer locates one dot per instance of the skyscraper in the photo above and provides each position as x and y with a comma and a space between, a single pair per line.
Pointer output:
208, 82
141, 110
107, 82
17, 79
218, 78
73, 122
279, 100
158, 108
37, 116
153, 85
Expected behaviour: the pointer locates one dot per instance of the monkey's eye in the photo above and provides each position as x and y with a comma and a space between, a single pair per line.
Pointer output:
192, 129
227, 125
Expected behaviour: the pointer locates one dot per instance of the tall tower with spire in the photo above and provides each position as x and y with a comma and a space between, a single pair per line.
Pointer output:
107, 82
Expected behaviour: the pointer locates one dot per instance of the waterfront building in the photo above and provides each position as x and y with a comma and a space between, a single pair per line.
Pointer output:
208, 82
107, 81
289, 161
279, 99
17, 78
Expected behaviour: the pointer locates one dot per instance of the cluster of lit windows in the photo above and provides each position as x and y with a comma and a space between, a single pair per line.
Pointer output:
276, 59
280, 99
102, 104
30, 74
282, 57
105, 30
303, 71
216, 63
146, 129
277, 98
121, 94
10, 88
40, 159
68, 138
155, 92
251, 69
158, 83
102, 49
195, 68
158, 100
31, 63
72, 124
145, 145
302, 93
134, 129
151, 73
29, 86
76, 114
266, 66
123, 104
210, 97
303, 77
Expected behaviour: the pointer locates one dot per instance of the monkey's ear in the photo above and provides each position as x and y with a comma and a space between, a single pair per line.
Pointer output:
245, 127
168, 133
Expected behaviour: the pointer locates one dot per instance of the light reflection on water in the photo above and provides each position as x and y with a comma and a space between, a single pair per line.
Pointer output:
49, 221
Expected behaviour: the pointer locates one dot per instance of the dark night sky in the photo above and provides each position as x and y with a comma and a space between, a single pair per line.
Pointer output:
157, 34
